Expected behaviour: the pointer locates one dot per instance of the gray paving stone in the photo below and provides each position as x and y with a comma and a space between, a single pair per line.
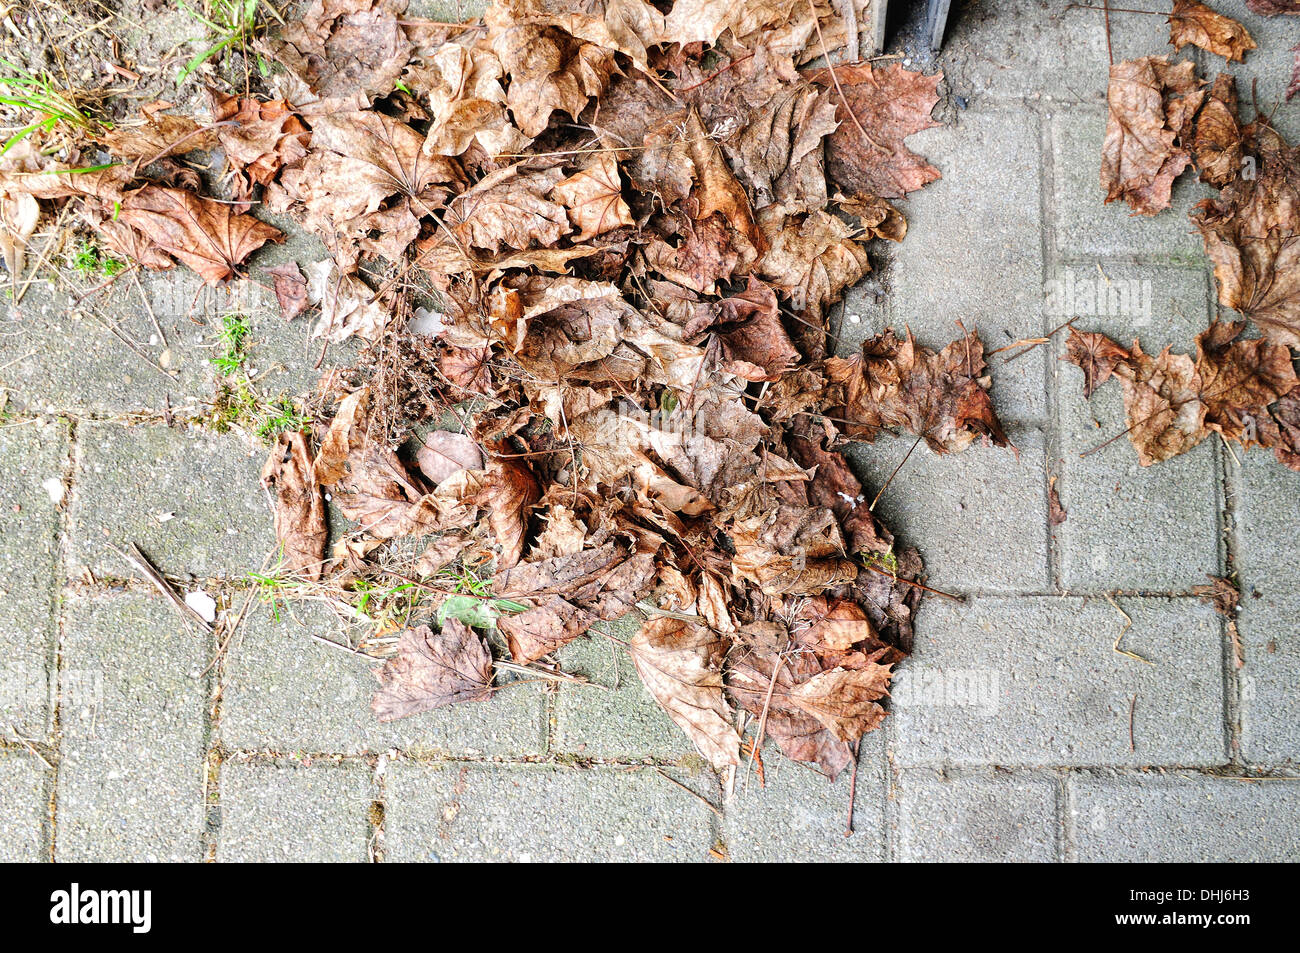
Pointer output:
24, 804
1127, 526
977, 819
1270, 678
979, 518
1035, 49
1034, 681
30, 454
133, 732
1267, 68
1183, 819
625, 722
58, 356
1268, 514
286, 692
800, 816
1084, 226
274, 814
963, 229
534, 813
130, 478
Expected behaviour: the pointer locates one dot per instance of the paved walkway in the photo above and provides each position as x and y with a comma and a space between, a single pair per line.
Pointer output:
1017, 731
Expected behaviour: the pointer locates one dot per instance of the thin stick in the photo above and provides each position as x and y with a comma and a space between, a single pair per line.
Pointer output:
872, 507
1031, 342
146, 569
699, 797
1132, 707
914, 585
1105, 5
30, 746
836, 80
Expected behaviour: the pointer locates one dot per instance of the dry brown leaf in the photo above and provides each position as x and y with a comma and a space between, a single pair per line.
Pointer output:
890, 104
594, 198
1252, 236
1217, 144
353, 49
1195, 23
1096, 355
290, 289
1151, 104
299, 509
508, 496
680, 664
845, 701
432, 669
548, 70
201, 233
941, 396
445, 452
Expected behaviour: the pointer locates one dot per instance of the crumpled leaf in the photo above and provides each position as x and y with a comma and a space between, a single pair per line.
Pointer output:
680, 664
510, 492
548, 70
1195, 23
203, 234
290, 289
260, 139
432, 669
19, 214
1151, 104
1217, 144
594, 198
300, 524
347, 49
1270, 8
462, 86
890, 104
1252, 236
507, 210
941, 396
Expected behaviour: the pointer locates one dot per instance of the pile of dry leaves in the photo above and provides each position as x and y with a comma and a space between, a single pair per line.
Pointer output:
1163, 119
636, 217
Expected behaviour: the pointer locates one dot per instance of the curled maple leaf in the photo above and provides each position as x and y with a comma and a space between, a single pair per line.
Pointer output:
1150, 104
1195, 23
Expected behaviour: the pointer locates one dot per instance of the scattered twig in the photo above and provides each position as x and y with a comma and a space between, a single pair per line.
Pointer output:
699, 797
30, 747
146, 569
915, 585
872, 507
1132, 707
1128, 624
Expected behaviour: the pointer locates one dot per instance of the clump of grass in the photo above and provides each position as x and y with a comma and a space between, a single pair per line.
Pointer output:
48, 105
232, 24
89, 262
472, 601
237, 403
232, 342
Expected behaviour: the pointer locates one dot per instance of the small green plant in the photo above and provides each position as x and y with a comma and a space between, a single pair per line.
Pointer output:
89, 262
472, 602
280, 416
232, 22
231, 342
48, 105
886, 561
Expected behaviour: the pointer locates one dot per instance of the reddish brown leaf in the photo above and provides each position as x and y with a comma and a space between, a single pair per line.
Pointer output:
290, 289
1096, 355
890, 104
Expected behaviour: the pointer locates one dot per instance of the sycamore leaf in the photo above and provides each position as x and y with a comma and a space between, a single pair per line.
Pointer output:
680, 664
594, 198
1151, 104
1217, 144
1252, 236
432, 669
890, 104
1195, 23
548, 70
201, 233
